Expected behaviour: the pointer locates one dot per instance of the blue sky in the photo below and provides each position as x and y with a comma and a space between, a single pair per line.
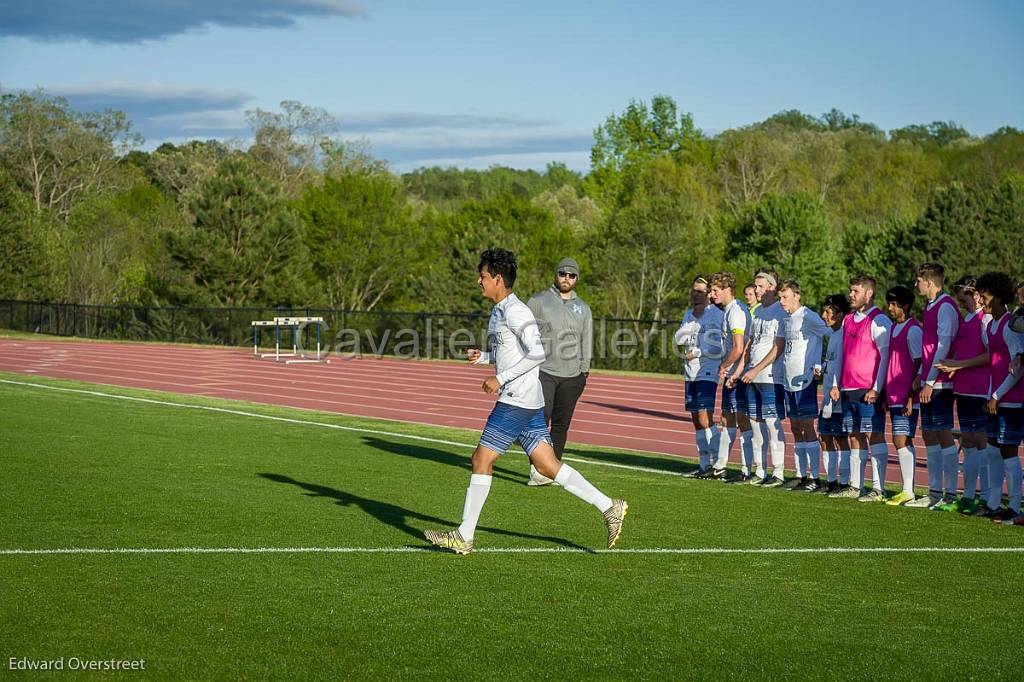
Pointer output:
473, 84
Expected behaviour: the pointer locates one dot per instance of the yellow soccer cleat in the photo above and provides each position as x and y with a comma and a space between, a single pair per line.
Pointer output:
900, 499
613, 517
449, 539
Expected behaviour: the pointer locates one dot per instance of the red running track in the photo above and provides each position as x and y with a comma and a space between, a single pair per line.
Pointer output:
636, 413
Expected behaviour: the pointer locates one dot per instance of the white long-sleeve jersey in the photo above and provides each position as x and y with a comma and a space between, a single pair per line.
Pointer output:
516, 352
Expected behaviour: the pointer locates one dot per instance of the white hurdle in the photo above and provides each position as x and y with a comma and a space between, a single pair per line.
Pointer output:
294, 325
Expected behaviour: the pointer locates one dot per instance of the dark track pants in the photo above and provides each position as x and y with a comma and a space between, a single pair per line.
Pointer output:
560, 396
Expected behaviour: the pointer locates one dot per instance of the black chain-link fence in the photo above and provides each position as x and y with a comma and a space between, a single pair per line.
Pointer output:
642, 345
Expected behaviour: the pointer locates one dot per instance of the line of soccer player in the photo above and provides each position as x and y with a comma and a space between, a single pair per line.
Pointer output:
770, 358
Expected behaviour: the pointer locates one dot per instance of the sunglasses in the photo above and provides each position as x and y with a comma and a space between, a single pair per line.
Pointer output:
570, 275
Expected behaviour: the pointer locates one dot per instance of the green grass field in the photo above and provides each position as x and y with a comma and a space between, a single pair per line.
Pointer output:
93, 471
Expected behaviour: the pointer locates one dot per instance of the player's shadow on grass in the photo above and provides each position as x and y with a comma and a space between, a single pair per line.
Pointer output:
418, 451
639, 410
395, 516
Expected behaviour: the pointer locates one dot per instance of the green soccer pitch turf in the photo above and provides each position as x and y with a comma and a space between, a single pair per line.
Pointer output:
88, 471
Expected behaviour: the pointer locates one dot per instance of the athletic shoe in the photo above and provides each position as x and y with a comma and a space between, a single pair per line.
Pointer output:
449, 539
832, 487
757, 480
694, 473
872, 496
901, 498
537, 478
990, 513
774, 482
970, 506
1019, 521
613, 517
1005, 516
793, 483
717, 474
981, 510
923, 502
936, 504
741, 479
846, 493
813, 485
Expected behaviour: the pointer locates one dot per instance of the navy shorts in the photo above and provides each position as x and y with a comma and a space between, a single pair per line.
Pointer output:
859, 416
970, 413
734, 399
802, 404
700, 396
832, 426
766, 401
938, 414
1007, 426
508, 424
903, 426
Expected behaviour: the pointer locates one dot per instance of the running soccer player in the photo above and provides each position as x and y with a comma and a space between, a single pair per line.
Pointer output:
735, 327
862, 383
518, 415
969, 369
802, 332
1006, 403
766, 399
833, 436
941, 322
699, 339
905, 341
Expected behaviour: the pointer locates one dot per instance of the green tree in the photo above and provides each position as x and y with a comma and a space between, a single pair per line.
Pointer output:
792, 234
245, 247
939, 134
23, 267
624, 144
360, 238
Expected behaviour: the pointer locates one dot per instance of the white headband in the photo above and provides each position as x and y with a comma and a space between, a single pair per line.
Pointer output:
765, 275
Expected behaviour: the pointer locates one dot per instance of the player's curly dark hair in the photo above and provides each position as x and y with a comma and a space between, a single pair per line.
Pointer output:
499, 262
999, 284
901, 296
839, 303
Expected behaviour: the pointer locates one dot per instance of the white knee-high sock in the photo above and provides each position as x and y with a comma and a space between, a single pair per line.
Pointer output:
777, 446
983, 471
813, 451
758, 445
747, 448
476, 495
573, 481
879, 463
726, 437
1012, 469
831, 465
950, 470
934, 454
906, 458
844, 467
703, 449
970, 473
995, 477
856, 469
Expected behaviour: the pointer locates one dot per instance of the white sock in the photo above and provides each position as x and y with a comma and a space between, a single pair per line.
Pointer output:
934, 454
725, 440
813, 451
983, 471
476, 495
970, 473
1013, 482
799, 459
703, 449
747, 447
906, 458
856, 470
995, 477
844, 467
777, 445
712, 435
950, 470
831, 465
879, 462
757, 445
573, 481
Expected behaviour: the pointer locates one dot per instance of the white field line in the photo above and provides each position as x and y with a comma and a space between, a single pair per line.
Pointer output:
514, 550
287, 420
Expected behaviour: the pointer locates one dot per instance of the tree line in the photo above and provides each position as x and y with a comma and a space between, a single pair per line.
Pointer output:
300, 217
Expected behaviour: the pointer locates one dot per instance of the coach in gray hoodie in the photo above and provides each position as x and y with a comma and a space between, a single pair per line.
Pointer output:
567, 332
